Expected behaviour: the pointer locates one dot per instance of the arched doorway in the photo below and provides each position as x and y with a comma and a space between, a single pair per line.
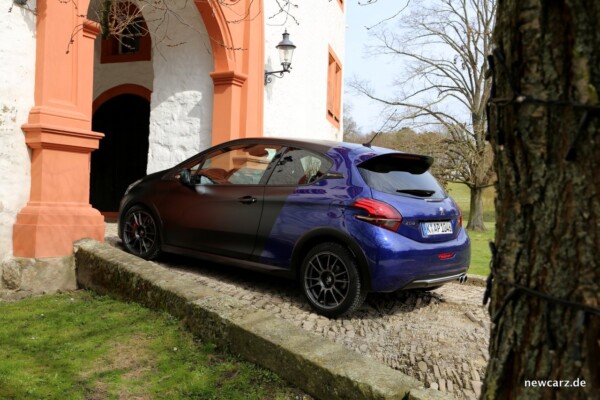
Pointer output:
58, 131
123, 154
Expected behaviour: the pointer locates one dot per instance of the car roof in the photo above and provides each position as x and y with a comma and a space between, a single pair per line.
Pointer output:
355, 152
322, 146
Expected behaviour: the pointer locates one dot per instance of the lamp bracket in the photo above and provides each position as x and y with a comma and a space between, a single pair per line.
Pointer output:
277, 74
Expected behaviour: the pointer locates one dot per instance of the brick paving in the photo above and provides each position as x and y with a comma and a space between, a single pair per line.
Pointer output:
439, 337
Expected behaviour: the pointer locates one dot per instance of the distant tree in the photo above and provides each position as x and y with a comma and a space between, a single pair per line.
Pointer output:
443, 44
410, 141
352, 132
545, 133
431, 143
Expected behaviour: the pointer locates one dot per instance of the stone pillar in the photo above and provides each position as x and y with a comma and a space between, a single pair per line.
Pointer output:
254, 67
238, 51
59, 134
228, 106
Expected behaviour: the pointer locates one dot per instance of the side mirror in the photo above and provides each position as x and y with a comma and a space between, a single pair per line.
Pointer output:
185, 177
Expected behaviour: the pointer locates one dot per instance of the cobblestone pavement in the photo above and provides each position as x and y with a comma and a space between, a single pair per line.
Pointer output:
439, 337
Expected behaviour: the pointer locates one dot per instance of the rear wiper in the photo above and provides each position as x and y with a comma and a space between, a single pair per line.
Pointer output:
417, 192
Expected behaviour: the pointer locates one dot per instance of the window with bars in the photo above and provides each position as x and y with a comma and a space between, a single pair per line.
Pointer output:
133, 43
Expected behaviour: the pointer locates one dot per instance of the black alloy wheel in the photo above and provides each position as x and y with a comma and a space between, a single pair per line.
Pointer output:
141, 235
330, 280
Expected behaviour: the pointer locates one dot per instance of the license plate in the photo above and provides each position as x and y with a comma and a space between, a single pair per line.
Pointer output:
437, 228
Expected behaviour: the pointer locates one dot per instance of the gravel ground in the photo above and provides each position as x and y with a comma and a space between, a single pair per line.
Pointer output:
439, 337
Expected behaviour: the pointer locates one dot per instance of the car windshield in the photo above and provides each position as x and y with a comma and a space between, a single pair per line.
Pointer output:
402, 175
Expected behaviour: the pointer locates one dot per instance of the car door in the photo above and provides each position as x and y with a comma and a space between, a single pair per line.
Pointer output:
294, 202
219, 211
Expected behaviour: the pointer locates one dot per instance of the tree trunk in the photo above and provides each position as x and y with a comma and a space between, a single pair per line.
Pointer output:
476, 210
547, 158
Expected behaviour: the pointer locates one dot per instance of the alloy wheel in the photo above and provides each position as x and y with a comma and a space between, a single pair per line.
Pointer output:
327, 280
140, 232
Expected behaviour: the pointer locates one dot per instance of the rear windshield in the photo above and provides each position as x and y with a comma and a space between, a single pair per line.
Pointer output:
401, 174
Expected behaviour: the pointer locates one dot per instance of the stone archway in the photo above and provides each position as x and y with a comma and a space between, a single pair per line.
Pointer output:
58, 130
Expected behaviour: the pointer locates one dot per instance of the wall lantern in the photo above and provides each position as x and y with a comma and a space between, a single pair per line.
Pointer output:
286, 51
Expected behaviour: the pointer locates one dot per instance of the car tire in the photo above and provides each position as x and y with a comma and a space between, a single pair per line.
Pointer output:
330, 280
140, 233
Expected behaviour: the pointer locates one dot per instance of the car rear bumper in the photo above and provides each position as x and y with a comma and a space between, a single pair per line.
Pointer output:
434, 281
396, 262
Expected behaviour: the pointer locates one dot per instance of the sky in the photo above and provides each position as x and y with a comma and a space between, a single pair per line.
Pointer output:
377, 70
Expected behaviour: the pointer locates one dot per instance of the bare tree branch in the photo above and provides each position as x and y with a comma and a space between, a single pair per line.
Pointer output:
442, 45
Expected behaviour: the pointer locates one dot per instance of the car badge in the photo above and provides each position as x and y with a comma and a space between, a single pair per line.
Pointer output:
441, 211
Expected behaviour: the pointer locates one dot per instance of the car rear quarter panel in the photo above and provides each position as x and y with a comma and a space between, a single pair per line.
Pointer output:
395, 261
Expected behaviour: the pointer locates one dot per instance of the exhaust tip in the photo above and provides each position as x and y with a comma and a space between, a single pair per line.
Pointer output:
462, 279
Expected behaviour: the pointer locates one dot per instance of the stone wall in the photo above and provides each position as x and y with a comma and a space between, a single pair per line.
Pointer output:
23, 277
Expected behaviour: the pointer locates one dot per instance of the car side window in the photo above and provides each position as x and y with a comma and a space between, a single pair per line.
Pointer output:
299, 167
239, 165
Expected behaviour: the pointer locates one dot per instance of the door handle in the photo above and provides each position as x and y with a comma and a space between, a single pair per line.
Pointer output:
247, 200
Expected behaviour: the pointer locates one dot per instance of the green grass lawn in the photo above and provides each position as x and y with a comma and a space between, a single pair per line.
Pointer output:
480, 250
83, 346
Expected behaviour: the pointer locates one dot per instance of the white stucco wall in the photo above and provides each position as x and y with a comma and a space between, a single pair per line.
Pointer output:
107, 76
17, 78
296, 105
182, 97
177, 75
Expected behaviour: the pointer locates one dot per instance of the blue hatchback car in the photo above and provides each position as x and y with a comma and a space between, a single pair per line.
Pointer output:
342, 219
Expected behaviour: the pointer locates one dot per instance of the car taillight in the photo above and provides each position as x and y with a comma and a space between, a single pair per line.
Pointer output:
460, 215
446, 256
379, 213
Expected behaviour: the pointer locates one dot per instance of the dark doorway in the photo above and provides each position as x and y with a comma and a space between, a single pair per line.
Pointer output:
123, 154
